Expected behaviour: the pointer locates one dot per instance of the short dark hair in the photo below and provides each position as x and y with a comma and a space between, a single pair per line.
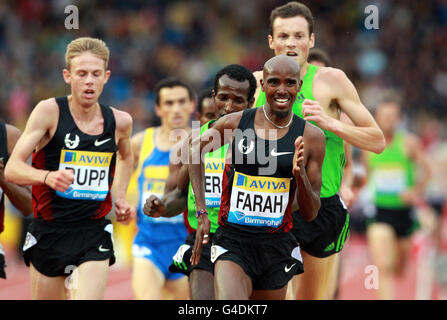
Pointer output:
207, 93
319, 55
389, 96
238, 73
290, 10
171, 83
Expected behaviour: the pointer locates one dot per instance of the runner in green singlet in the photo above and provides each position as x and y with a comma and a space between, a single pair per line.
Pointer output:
234, 88
319, 57
325, 93
396, 190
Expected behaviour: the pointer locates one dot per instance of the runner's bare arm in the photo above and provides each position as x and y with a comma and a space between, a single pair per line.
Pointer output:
176, 199
210, 140
347, 181
308, 163
364, 133
19, 196
124, 164
38, 131
346, 193
135, 143
416, 152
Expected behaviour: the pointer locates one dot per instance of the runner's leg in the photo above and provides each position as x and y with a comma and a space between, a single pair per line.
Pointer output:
46, 288
382, 245
147, 280
313, 283
91, 280
202, 285
231, 282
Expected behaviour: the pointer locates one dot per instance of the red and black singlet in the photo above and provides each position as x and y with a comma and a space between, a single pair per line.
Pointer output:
91, 157
258, 185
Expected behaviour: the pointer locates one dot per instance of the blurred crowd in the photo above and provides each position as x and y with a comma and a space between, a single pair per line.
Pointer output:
192, 39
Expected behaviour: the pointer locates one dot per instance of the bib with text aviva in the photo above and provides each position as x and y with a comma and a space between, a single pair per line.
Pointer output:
258, 201
214, 168
91, 174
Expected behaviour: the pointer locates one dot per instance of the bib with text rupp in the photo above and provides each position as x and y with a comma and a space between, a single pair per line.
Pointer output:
258, 200
91, 174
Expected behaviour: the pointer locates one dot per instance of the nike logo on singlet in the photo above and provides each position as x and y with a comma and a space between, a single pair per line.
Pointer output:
287, 269
276, 154
98, 143
101, 249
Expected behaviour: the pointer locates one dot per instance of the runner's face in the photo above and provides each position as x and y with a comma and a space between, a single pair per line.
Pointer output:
291, 37
86, 77
281, 87
208, 111
175, 107
388, 117
231, 96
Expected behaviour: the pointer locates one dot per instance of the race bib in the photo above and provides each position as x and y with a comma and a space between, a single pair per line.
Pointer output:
214, 168
91, 174
390, 180
258, 201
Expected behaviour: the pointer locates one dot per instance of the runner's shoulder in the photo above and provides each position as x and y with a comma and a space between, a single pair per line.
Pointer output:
47, 105
313, 133
232, 119
122, 118
332, 77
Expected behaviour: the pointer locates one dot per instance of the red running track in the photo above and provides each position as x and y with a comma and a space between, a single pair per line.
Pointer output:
355, 257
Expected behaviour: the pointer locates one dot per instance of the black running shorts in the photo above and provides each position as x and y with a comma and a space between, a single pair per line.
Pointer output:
402, 221
270, 260
181, 260
327, 233
55, 249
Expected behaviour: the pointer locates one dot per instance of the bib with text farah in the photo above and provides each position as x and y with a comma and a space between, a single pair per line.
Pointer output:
258, 201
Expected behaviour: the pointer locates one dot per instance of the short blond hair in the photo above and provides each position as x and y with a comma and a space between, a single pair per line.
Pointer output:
81, 45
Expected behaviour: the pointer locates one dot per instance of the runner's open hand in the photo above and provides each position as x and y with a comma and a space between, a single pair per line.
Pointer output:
202, 237
298, 157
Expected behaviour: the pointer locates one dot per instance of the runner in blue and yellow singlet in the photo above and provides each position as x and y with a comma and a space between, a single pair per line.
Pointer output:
158, 239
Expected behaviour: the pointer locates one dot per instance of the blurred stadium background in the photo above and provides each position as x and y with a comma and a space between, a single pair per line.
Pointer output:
192, 39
